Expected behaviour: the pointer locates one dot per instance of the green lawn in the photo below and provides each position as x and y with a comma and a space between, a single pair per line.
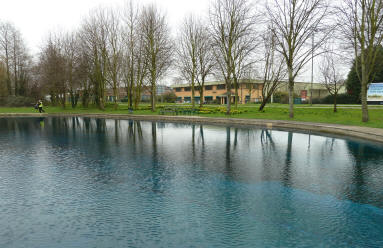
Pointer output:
272, 112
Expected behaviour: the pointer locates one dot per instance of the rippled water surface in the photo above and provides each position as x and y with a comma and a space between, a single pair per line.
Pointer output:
79, 182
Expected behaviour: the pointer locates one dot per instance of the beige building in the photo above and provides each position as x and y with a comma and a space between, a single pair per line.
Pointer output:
216, 92
247, 92
303, 90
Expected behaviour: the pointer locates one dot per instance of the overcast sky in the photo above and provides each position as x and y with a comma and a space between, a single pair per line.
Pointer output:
35, 18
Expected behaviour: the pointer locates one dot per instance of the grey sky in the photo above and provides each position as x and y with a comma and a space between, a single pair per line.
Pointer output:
35, 18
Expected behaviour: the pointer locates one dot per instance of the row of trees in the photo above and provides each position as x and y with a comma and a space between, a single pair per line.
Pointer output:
287, 29
132, 47
15, 61
111, 49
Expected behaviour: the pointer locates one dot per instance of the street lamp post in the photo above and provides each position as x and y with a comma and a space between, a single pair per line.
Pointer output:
312, 70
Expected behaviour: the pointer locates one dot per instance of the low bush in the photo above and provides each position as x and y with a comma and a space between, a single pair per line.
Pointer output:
148, 107
169, 97
282, 97
341, 99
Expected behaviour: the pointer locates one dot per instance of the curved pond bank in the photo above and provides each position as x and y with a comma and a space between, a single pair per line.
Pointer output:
364, 133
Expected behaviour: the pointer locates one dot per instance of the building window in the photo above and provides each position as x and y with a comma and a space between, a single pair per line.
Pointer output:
208, 99
252, 86
208, 87
221, 87
178, 89
187, 89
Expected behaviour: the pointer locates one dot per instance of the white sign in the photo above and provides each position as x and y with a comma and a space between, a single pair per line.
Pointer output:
375, 92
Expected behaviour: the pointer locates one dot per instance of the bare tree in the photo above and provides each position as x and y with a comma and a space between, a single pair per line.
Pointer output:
140, 69
94, 39
52, 69
194, 55
274, 68
157, 45
294, 23
82, 73
187, 52
331, 78
3, 80
16, 53
114, 52
361, 22
248, 80
232, 26
22, 68
205, 59
135, 63
70, 46
16, 59
6, 30
130, 18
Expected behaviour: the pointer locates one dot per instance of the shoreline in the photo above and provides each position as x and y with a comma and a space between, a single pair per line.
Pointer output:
360, 133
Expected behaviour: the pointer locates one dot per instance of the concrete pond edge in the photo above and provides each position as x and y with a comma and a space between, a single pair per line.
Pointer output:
343, 131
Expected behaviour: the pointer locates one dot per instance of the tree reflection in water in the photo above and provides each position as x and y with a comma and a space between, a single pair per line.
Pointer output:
345, 169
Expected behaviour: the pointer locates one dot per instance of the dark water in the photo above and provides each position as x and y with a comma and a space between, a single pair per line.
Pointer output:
74, 182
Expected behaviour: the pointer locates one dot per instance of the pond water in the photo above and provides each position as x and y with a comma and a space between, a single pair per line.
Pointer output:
80, 182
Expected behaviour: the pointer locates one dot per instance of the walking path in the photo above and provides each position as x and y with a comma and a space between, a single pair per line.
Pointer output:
365, 133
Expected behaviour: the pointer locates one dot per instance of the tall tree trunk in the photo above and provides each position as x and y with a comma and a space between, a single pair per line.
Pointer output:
153, 95
15, 72
250, 90
130, 94
201, 96
101, 103
228, 110
85, 98
193, 91
137, 97
264, 102
335, 96
115, 97
365, 117
9, 86
131, 84
9, 83
291, 93
72, 98
236, 92
140, 79
63, 100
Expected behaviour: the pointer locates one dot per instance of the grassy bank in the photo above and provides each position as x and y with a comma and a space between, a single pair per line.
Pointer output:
344, 116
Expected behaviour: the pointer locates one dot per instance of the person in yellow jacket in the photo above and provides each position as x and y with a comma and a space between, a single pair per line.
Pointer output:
40, 104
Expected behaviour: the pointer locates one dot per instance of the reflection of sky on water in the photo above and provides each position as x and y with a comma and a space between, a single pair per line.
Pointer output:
92, 182
325, 165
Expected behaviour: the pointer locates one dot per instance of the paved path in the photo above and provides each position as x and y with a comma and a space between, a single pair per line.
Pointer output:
299, 106
306, 106
365, 133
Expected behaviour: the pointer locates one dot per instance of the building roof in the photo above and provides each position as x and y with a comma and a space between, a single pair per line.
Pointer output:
302, 85
252, 81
